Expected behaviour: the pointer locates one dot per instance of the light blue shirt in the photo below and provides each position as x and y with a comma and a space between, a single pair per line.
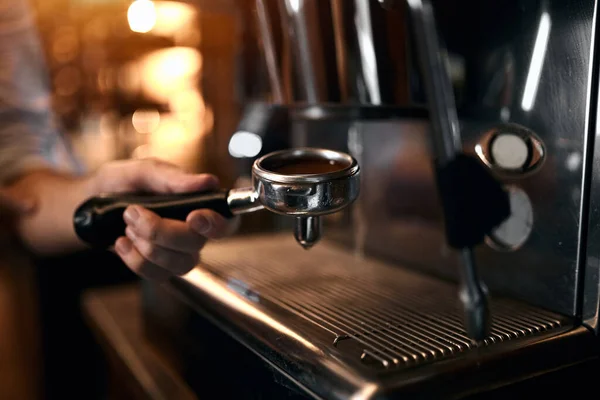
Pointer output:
30, 136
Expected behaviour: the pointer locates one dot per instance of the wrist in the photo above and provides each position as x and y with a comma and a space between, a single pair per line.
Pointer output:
48, 230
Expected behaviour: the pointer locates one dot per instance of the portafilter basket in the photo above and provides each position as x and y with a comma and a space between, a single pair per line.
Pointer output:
305, 183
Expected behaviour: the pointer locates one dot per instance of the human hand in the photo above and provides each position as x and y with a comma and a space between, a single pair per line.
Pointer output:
13, 206
154, 247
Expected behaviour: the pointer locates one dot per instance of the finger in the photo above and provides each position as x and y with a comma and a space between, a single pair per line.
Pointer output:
168, 233
134, 260
161, 177
175, 262
210, 224
176, 180
128, 175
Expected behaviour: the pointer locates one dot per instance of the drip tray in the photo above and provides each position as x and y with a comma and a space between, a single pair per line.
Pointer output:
338, 326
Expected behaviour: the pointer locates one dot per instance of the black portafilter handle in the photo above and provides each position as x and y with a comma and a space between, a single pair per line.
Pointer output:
99, 220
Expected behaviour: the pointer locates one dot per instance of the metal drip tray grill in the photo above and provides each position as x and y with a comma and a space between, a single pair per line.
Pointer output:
375, 315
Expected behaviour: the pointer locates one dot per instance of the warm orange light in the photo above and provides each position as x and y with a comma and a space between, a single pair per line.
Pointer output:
173, 18
95, 143
142, 151
141, 16
167, 72
188, 103
170, 135
163, 18
172, 141
145, 121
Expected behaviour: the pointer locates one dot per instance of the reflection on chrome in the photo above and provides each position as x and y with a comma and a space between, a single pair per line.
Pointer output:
367, 392
367, 50
210, 285
295, 5
537, 61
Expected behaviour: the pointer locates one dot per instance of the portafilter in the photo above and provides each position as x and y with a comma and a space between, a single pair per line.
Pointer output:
305, 183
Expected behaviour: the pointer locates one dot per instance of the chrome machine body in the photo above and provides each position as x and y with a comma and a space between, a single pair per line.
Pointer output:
372, 311
496, 92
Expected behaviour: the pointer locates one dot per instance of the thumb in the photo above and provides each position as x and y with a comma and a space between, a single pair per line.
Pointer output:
181, 182
151, 175
163, 177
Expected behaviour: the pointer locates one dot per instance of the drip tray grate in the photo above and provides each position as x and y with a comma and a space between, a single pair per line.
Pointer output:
379, 315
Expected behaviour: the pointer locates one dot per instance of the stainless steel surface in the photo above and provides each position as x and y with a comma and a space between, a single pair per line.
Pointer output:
336, 54
366, 50
390, 313
300, 20
528, 163
590, 221
306, 194
243, 200
268, 44
402, 218
340, 327
307, 231
371, 68
523, 63
342, 53
551, 52
528, 64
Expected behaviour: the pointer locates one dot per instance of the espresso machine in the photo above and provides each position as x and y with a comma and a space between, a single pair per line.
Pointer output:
440, 278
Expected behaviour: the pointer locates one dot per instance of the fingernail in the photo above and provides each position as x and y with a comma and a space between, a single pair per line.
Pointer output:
131, 214
123, 246
201, 224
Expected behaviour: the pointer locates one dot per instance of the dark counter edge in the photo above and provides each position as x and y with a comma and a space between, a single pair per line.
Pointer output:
483, 369
121, 341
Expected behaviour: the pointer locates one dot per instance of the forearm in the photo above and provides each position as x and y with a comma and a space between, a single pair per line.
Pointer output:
48, 230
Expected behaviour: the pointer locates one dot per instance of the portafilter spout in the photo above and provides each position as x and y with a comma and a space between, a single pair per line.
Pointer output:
305, 183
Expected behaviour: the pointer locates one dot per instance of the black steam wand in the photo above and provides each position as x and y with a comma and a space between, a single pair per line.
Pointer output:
473, 201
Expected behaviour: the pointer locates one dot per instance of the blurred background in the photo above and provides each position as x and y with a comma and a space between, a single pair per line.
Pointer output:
130, 79
147, 78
